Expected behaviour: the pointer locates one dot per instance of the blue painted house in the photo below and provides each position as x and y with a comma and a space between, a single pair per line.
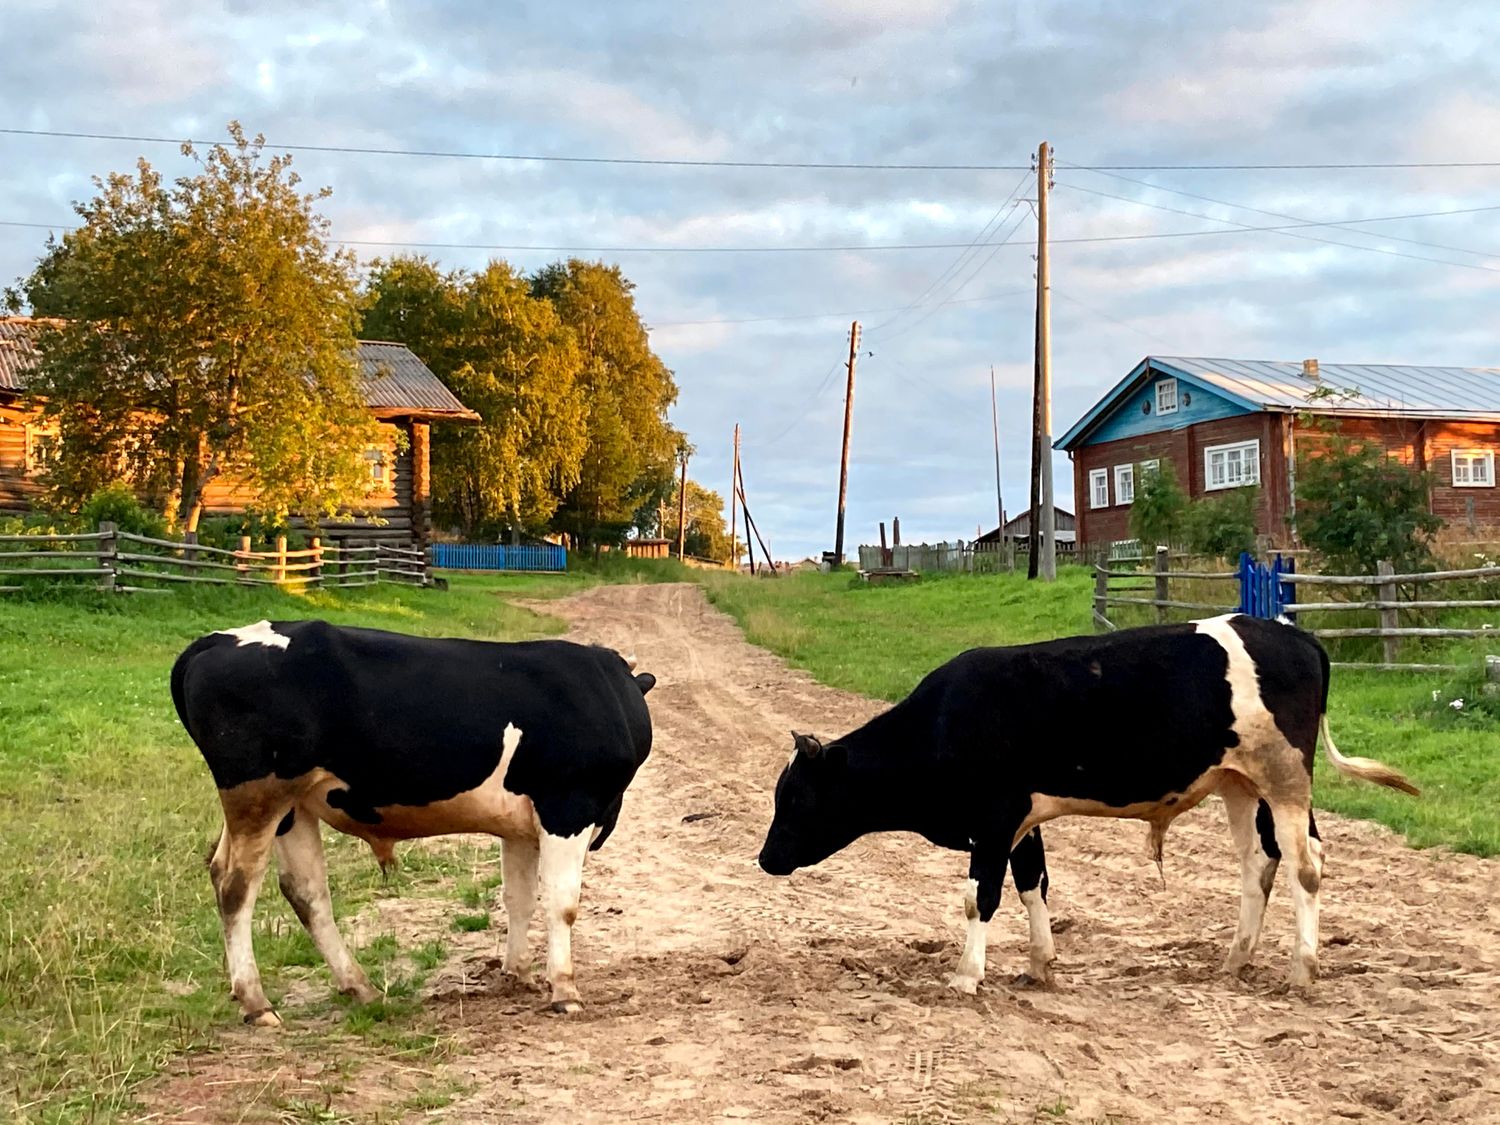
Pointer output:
1226, 424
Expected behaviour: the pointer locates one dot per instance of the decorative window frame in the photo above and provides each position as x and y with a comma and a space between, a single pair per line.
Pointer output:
1249, 452
1096, 478
378, 462
41, 446
1165, 404
1470, 459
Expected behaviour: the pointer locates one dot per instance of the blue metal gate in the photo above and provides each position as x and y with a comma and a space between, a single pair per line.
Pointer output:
1264, 591
498, 556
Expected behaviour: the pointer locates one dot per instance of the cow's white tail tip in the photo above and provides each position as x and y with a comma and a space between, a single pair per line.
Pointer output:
1366, 769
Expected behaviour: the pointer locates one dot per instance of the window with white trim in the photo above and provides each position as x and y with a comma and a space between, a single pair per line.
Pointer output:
1151, 467
1124, 484
1473, 468
1166, 396
1231, 466
1098, 488
41, 446
375, 462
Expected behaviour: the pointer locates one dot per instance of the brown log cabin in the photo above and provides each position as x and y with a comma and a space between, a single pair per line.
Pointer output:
399, 389
1227, 423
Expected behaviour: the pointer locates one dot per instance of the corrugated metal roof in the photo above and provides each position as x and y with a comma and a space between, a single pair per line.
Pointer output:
1358, 388
396, 382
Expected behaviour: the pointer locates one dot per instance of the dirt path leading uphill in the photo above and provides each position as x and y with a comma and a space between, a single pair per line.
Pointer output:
715, 992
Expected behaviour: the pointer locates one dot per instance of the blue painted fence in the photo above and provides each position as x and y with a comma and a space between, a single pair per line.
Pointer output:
1263, 591
498, 556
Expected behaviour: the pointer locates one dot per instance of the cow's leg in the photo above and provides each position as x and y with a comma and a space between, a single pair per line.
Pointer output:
237, 868
518, 866
560, 871
1028, 870
1304, 856
987, 864
1255, 841
303, 877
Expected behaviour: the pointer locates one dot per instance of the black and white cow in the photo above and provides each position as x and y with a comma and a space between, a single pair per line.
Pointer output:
390, 737
1143, 723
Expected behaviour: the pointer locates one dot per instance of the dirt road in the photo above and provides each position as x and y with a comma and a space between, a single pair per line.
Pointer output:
715, 992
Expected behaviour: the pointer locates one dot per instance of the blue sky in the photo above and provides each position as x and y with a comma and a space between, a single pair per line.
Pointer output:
867, 81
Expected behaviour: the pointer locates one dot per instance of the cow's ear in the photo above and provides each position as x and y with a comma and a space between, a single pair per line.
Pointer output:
645, 681
807, 744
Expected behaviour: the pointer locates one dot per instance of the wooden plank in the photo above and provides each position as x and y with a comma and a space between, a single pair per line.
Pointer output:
1314, 607
1389, 621
1407, 632
95, 571
90, 536
1212, 576
1398, 667
1374, 580
1170, 604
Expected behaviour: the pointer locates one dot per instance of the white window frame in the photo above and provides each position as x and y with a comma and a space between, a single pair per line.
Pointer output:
1096, 478
1151, 465
1163, 407
378, 465
1124, 484
1249, 457
1471, 459
41, 446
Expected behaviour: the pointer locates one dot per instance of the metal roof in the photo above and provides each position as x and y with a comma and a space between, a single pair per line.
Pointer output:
1384, 389
396, 382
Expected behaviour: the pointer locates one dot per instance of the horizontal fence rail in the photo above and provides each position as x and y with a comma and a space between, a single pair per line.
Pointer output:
126, 562
539, 557
1270, 590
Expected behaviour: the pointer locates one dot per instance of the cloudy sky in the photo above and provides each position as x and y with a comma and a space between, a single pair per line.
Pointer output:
758, 338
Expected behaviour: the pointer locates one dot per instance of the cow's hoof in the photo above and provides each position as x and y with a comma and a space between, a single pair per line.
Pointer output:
566, 1007
267, 1018
967, 985
1035, 979
1234, 967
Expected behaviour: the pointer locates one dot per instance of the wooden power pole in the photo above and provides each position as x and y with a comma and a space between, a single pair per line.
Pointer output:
838, 535
734, 484
1046, 511
682, 508
995, 426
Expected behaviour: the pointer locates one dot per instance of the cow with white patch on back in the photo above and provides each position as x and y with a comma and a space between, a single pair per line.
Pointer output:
1143, 723
390, 737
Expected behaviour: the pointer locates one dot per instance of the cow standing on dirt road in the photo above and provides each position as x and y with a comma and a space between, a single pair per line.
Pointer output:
1144, 724
390, 737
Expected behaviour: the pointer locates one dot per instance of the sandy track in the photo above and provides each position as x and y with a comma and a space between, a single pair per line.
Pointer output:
715, 992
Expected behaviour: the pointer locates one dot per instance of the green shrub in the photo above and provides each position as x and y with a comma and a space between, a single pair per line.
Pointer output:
1223, 526
119, 505
1158, 514
1356, 506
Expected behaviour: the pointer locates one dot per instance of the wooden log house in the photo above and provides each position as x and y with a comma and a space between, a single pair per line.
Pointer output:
400, 390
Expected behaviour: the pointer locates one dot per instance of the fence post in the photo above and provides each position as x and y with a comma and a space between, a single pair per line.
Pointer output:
280, 572
242, 563
1162, 565
109, 548
1101, 598
189, 541
1389, 617
315, 575
1492, 674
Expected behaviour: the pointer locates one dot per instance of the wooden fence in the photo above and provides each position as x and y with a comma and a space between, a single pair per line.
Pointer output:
110, 559
1130, 587
932, 558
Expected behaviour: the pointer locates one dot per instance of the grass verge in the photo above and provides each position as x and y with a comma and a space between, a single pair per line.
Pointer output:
880, 640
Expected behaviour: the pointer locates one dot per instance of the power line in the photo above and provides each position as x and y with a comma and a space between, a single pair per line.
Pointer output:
1342, 223
820, 165
828, 315
1287, 231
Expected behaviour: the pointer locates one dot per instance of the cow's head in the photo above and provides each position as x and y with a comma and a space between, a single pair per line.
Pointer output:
811, 821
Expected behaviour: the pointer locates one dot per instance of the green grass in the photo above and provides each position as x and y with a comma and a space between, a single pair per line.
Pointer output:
110, 954
881, 640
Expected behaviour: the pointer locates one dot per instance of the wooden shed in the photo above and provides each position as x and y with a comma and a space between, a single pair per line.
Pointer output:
400, 390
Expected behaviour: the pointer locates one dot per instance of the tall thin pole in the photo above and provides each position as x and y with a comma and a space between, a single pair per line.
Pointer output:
1046, 513
682, 509
838, 535
734, 484
995, 425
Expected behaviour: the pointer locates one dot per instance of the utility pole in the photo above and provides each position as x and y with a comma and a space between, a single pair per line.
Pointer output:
734, 484
1045, 513
682, 507
995, 425
838, 537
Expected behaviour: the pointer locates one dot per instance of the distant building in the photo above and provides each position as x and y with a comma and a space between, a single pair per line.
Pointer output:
1018, 527
1227, 423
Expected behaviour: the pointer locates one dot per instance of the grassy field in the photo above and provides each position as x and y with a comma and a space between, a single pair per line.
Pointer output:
111, 959
881, 640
